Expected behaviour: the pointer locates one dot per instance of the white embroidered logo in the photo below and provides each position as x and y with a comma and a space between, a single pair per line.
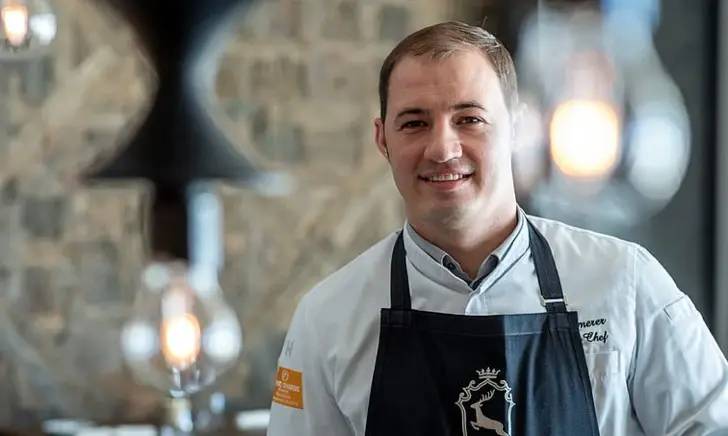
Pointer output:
487, 388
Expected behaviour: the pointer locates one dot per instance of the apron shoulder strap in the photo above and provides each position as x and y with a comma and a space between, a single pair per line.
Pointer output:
552, 294
399, 281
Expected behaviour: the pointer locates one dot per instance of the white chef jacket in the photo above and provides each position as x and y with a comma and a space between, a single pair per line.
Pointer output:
655, 368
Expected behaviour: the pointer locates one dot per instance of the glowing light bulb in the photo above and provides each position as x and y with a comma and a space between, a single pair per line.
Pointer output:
15, 24
615, 143
182, 334
180, 337
181, 340
27, 28
181, 344
585, 138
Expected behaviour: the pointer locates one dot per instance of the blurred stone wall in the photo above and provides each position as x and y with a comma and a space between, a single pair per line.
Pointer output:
297, 83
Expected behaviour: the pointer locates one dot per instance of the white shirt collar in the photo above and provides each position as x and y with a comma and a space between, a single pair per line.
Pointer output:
431, 259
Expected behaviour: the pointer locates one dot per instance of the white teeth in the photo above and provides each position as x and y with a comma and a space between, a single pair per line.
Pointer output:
446, 177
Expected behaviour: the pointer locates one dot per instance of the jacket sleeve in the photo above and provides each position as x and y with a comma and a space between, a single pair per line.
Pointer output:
303, 401
679, 377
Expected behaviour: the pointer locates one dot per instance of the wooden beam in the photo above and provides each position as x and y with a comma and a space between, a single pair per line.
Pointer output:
64, 47
26, 354
57, 111
100, 26
103, 121
326, 238
245, 148
354, 188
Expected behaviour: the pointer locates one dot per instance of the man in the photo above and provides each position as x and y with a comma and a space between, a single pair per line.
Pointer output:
465, 322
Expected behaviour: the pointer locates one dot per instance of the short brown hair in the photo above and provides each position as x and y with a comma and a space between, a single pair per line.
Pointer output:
444, 39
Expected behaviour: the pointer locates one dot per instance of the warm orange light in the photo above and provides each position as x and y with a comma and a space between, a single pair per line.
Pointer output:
585, 138
181, 340
15, 23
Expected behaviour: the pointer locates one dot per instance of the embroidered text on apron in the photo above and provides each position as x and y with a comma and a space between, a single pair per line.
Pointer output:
442, 374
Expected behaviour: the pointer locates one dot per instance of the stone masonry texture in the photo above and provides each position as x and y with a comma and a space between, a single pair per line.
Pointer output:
298, 82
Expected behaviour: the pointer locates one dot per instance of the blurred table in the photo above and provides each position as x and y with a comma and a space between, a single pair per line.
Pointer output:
244, 423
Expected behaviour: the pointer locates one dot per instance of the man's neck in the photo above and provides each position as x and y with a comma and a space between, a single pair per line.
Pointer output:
471, 243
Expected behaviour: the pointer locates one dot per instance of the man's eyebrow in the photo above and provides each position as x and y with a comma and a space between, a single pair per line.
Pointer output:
467, 105
456, 107
410, 111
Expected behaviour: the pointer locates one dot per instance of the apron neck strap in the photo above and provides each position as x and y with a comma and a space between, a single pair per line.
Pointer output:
399, 281
552, 296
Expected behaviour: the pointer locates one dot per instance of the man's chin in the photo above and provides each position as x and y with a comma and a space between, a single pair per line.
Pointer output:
448, 215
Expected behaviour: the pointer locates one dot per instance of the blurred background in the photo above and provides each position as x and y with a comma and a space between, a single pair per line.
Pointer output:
623, 136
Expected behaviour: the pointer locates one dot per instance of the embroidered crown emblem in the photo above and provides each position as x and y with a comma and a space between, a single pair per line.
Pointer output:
488, 373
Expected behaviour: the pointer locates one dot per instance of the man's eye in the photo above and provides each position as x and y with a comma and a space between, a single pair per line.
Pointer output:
413, 124
470, 120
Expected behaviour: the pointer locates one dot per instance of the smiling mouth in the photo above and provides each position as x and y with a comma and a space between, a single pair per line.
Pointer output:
446, 178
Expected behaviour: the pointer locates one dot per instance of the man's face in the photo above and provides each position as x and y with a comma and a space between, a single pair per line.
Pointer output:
448, 136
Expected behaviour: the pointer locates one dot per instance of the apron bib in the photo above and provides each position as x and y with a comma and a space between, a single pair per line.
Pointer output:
508, 375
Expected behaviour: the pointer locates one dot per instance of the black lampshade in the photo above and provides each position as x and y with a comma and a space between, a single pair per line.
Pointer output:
179, 142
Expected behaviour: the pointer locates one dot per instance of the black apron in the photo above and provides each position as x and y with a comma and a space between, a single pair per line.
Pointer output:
517, 375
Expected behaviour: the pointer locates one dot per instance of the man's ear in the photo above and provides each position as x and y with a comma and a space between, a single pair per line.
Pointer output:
379, 137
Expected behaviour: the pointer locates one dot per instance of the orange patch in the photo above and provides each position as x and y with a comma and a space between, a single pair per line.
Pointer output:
289, 388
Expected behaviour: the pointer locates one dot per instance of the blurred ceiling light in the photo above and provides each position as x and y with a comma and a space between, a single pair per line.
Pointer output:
15, 23
657, 155
27, 29
616, 144
585, 139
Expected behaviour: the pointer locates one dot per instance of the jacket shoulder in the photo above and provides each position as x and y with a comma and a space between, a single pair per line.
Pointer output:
355, 281
582, 245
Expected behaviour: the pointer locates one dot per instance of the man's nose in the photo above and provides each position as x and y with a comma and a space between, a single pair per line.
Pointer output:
443, 144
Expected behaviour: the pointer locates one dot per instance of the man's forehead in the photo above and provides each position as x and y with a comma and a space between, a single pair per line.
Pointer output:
422, 81
458, 65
